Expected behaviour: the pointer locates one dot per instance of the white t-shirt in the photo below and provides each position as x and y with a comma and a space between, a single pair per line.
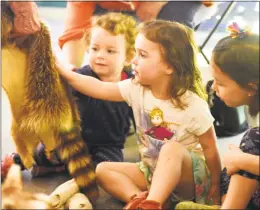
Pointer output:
159, 121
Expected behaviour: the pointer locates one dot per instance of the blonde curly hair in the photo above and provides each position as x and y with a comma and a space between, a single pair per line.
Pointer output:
119, 23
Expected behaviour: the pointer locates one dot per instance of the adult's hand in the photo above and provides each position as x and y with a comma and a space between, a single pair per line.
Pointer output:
26, 20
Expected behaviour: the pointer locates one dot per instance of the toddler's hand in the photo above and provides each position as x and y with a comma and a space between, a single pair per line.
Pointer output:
231, 158
62, 65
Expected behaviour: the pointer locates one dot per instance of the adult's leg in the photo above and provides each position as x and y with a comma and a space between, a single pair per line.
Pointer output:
183, 12
173, 172
74, 51
121, 180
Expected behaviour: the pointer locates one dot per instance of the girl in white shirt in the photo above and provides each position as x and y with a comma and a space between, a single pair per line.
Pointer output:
168, 80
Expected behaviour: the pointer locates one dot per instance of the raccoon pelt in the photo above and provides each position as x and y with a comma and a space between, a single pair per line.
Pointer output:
65, 196
42, 106
15, 197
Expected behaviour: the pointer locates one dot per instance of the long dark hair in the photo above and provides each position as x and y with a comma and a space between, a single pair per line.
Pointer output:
179, 51
239, 59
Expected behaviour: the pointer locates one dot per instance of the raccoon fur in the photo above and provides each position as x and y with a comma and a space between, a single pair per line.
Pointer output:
42, 106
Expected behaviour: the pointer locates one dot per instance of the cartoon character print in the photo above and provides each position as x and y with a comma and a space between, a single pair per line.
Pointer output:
153, 139
148, 150
159, 130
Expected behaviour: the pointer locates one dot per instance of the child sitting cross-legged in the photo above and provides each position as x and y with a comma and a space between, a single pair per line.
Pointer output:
175, 130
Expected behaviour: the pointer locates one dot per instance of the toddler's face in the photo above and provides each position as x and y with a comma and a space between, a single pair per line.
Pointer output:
107, 54
149, 66
227, 89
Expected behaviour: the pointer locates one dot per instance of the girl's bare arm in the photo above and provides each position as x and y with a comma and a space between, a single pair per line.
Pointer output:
89, 85
208, 143
235, 159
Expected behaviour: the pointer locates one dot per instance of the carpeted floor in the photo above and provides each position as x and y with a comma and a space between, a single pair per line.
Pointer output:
48, 184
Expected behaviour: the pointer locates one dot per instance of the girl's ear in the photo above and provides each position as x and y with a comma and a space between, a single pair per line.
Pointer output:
253, 88
169, 70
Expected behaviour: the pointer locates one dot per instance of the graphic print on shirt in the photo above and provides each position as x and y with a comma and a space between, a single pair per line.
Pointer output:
159, 130
153, 132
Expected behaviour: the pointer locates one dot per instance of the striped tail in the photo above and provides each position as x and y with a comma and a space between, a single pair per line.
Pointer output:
74, 152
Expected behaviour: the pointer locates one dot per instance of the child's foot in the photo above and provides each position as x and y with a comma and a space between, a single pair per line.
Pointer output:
136, 200
149, 204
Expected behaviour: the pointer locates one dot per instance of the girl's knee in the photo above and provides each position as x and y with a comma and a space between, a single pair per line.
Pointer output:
102, 168
173, 146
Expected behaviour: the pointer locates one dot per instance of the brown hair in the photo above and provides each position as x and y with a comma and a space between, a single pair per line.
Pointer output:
118, 23
179, 51
239, 59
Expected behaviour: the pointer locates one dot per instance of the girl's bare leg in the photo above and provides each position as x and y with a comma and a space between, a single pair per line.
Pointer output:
121, 180
173, 172
240, 191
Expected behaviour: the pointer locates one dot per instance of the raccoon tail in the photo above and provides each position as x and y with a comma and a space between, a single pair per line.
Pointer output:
45, 100
74, 152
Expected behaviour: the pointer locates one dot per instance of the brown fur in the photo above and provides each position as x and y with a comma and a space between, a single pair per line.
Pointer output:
42, 106
14, 197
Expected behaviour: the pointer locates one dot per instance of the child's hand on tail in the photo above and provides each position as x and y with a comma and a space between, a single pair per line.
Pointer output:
63, 65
